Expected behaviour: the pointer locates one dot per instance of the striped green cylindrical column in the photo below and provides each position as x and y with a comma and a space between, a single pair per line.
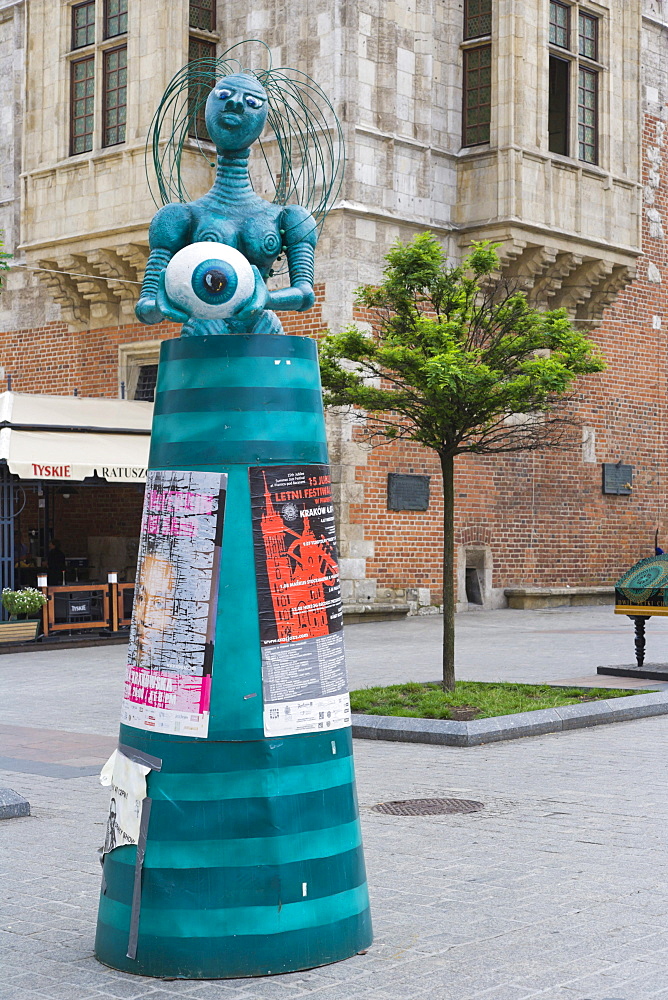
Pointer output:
253, 858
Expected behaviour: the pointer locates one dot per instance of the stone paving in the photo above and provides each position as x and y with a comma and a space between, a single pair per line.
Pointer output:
557, 889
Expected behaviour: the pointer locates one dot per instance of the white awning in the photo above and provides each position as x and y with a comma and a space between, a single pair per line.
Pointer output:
72, 437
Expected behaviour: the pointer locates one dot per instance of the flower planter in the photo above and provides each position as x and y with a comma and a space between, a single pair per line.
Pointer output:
19, 631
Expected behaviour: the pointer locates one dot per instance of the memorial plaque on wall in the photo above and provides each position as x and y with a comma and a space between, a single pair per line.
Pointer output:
617, 479
407, 492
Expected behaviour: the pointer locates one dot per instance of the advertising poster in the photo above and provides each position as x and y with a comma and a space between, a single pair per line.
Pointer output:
127, 781
304, 682
170, 654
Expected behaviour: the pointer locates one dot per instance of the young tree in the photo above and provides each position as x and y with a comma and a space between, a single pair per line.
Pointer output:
459, 363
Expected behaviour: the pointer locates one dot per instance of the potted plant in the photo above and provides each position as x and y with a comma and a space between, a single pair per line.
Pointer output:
23, 605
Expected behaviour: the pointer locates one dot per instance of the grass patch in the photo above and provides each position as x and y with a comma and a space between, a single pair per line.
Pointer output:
471, 699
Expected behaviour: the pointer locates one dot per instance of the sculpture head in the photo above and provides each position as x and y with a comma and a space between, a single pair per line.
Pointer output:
236, 112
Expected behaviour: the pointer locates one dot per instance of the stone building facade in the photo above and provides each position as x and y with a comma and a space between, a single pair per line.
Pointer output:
539, 125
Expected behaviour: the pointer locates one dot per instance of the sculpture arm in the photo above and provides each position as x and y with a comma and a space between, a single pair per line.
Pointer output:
168, 233
147, 308
300, 236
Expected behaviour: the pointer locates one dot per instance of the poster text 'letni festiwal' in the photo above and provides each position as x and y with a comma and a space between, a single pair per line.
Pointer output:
170, 655
304, 682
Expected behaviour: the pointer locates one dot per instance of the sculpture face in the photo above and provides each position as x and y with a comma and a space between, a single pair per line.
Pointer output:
236, 112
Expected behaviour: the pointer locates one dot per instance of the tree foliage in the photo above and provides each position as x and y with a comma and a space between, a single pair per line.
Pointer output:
458, 360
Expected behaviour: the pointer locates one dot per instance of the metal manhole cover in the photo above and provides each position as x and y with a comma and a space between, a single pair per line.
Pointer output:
428, 807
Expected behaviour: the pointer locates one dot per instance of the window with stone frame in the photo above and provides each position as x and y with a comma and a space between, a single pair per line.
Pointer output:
103, 64
588, 35
477, 18
574, 82
202, 14
114, 95
559, 101
115, 18
477, 72
199, 87
146, 382
560, 24
82, 105
83, 24
587, 115
138, 370
477, 112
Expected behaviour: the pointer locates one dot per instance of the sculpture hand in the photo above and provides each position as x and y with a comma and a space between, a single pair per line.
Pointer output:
257, 301
298, 297
165, 305
147, 310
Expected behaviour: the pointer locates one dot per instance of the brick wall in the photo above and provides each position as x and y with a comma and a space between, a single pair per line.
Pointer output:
53, 359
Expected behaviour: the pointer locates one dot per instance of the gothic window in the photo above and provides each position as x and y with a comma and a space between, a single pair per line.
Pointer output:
115, 18
588, 115
477, 18
477, 89
588, 36
198, 90
573, 109
477, 95
202, 14
115, 79
82, 102
103, 67
558, 118
560, 18
83, 24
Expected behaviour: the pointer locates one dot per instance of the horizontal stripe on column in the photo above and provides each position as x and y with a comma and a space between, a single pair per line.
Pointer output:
181, 754
192, 373
247, 955
245, 851
205, 456
253, 345
221, 426
221, 923
261, 783
228, 819
238, 398
205, 888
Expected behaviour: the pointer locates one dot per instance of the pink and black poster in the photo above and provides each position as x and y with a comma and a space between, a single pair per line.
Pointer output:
170, 654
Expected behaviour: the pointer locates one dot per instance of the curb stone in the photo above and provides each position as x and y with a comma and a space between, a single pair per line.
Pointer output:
509, 727
12, 804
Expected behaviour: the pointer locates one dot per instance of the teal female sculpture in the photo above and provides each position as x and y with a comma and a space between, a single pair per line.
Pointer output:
234, 845
231, 213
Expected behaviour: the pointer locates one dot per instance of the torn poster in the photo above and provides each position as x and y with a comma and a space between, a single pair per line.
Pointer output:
128, 790
304, 682
170, 653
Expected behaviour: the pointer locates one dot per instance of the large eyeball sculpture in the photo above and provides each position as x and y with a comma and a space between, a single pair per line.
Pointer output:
209, 280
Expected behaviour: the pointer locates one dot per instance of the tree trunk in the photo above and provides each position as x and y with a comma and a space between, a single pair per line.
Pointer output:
447, 469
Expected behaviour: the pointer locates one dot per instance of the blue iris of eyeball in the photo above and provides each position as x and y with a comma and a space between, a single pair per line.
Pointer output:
209, 280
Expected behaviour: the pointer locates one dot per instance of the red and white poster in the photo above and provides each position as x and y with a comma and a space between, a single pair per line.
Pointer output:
304, 682
170, 654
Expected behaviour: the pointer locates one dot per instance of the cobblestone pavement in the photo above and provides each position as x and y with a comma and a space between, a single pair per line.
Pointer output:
557, 889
